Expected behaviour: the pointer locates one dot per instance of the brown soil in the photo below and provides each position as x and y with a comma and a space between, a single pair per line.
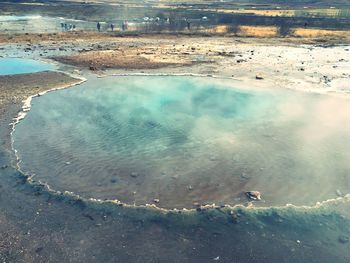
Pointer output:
115, 59
15, 88
42, 37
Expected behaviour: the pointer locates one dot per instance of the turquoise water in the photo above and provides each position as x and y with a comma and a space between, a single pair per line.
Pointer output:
18, 18
10, 66
187, 140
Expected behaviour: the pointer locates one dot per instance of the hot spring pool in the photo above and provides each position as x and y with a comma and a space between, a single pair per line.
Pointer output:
11, 66
187, 140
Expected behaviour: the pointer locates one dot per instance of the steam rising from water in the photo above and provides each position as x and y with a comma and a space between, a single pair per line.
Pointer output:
186, 140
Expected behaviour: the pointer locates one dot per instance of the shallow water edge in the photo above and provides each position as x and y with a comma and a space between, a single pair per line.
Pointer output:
26, 107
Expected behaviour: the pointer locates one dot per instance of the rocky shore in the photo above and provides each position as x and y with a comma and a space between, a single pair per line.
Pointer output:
304, 63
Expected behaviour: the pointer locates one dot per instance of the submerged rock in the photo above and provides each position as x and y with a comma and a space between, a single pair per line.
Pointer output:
113, 181
39, 249
134, 174
234, 217
253, 195
343, 239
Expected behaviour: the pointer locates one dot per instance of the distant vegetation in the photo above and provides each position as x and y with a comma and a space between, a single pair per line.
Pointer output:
257, 3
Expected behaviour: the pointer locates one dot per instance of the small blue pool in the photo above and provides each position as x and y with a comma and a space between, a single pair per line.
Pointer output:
11, 66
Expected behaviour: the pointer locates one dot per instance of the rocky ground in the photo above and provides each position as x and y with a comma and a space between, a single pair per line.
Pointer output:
294, 63
15, 88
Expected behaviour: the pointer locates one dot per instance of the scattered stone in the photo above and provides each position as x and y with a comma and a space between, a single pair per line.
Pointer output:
253, 195
212, 158
134, 174
298, 241
343, 239
4, 166
156, 200
93, 68
113, 181
339, 193
234, 217
244, 175
89, 217
259, 77
39, 249
190, 187
216, 259
67, 163
249, 205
